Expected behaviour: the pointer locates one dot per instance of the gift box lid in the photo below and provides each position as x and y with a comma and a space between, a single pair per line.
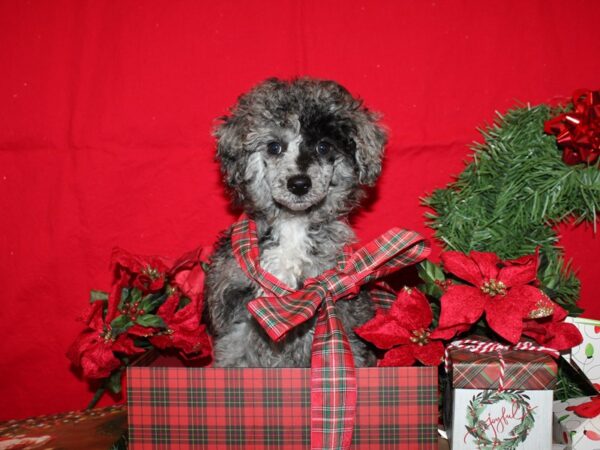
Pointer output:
527, 370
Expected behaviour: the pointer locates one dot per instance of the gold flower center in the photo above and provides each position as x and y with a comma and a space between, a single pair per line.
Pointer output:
107, 335
151, 272
493, 287
420, 336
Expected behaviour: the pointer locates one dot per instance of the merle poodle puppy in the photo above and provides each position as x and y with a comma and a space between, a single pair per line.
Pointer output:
295, 155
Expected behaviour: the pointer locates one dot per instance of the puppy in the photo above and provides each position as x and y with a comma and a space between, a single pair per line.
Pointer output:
295, 155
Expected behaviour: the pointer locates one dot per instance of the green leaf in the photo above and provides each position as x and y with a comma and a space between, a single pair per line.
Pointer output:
120, 324
136, 295
96, 296
151, 301
150, 320
183, 302
113, 383
589, 350
124, 294
430, 272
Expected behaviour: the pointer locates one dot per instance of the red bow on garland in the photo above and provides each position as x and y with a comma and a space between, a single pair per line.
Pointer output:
333, 378
578, 132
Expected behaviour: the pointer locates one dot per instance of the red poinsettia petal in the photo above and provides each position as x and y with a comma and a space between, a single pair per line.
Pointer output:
99, 361
401, 356
168, 308
530, 299
488, 263
557, 335
462, 266
519, 271
461, 305
124, 344
559, 313
188, 274
185, 333
191, 282
383, 331
81, 344
430, 354
505, 314
411, 309
93, 316
140, 331
449, 332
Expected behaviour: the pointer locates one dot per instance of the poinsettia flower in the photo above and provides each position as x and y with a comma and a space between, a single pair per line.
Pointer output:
187, 274
552, 331
183, 329
502, 290
403, 330
147, 273
94, 349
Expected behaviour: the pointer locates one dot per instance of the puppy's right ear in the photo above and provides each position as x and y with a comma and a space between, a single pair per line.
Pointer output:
230, 136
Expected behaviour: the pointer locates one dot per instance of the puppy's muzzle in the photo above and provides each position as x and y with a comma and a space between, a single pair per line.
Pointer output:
299, 184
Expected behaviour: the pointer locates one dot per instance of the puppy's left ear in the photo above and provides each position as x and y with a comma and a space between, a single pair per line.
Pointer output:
370, 139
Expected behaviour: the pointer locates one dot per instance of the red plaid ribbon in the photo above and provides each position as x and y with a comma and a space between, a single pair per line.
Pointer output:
476, 346
333, 378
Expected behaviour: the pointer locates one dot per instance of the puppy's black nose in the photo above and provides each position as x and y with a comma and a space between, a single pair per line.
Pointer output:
299, 184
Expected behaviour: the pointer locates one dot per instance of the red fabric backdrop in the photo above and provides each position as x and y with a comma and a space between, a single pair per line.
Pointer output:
107, 109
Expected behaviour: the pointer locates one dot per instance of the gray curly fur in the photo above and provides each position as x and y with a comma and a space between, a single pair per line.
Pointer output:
282, 130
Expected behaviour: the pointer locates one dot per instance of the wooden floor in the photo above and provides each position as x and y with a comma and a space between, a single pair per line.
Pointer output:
97, 429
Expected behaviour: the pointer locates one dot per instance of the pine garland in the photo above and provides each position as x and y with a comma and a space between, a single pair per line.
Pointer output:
508, 199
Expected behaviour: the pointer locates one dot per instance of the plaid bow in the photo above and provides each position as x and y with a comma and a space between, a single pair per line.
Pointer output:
333, 378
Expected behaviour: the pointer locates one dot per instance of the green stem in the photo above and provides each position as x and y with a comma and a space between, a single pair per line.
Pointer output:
97, 396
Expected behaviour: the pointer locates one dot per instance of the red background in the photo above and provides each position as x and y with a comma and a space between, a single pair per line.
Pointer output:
107, 109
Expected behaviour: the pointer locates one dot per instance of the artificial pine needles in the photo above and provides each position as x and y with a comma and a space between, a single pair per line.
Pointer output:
508, 199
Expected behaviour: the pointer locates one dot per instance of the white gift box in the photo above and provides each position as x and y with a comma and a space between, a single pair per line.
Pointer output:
579, 433
587, 355
499, 400
482, 418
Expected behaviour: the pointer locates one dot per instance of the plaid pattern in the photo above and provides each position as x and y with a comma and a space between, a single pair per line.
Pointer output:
523, 370
269, 409
333, 393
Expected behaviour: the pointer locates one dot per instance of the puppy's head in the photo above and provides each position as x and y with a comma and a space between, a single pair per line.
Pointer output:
305, 146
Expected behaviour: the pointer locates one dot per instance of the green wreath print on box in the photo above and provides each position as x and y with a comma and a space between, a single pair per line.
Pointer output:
487, 432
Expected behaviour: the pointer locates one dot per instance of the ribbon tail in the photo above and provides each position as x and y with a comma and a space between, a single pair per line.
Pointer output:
333, 383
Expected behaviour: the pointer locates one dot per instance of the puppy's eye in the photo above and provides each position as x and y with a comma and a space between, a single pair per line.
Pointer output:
323, 148
274, 148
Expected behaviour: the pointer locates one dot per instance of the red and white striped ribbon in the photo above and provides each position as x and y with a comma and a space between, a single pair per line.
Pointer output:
481, 347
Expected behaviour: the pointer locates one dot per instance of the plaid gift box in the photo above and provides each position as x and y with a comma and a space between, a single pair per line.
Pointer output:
212, 408
501, 398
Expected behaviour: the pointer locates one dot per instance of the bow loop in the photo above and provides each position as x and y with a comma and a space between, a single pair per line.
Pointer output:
278, 315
